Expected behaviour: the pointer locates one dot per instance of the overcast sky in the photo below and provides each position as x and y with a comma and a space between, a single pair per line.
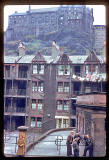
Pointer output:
99, 12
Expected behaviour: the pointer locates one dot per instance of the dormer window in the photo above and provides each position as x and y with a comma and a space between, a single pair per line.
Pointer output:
96, 69
34, 69
87, 69
63, 70
38, 69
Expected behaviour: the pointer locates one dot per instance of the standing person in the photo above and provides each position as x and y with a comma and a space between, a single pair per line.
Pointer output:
76, 147
77, 136
88, 146
69, 142
21, 146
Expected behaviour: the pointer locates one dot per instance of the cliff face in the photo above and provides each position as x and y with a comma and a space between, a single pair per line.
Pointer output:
71, 41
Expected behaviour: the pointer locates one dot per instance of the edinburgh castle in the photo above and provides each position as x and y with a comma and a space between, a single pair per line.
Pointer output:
70, 25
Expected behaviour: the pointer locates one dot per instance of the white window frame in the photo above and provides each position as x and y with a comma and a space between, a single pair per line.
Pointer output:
60, 87
33, 105
60, 70
34, 68
40, 86
39, 124
34, 86
42, 69
32, 123
87, 69
66, 87
66, 123
66, 107
40, 105
66, 68
59, 107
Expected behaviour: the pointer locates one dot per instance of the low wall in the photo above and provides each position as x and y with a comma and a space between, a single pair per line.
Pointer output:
46, 134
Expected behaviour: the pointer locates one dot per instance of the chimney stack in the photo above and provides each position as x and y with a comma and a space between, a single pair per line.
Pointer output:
21, 49
55, 50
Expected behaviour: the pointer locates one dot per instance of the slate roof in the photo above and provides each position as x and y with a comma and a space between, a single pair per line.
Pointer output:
11, 59
28, 59
18, 14
53, 9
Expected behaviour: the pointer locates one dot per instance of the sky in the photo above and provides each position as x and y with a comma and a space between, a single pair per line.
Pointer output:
99, 12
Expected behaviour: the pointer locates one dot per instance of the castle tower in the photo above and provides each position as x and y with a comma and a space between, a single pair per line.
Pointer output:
29, 8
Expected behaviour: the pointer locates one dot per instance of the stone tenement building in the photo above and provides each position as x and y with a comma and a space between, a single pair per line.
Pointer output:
91, 119
36, 22
40, 91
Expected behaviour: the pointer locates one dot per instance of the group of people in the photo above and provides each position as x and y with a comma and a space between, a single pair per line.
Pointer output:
75, 141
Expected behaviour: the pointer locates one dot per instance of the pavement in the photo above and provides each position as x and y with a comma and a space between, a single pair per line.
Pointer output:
10, 142
47, 146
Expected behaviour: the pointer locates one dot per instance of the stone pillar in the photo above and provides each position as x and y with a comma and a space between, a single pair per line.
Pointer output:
22, 141
99, 138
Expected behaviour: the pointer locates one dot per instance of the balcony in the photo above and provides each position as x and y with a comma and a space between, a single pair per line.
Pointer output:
15, 109
7, 75
23, 75
16, 92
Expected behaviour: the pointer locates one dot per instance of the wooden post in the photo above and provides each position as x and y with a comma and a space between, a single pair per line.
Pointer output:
22, 141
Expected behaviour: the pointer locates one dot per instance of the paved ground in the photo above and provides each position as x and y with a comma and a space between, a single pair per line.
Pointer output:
10, 142
45, 148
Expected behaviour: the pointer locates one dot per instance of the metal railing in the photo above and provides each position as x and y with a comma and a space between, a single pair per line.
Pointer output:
58, 142
15, 109
14, 75
15, 92
10, 140
23, 74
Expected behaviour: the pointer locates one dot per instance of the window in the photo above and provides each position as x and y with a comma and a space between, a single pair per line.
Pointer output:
62, 18
65, 123
40, 104
34, 69
32, 122
37, 86
33, 106
34, 86
60, 87
96, 69
41, 69
66, 105
60, 69
86, 69
38, 69
59, 105
40, 86
47, 19
40, 20
66, 87
39, 122
7, 71
63, 70
63, 87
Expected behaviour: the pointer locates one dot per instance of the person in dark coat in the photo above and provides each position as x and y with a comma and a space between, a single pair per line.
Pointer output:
69, 142
78, 136
88, 146
76, 146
